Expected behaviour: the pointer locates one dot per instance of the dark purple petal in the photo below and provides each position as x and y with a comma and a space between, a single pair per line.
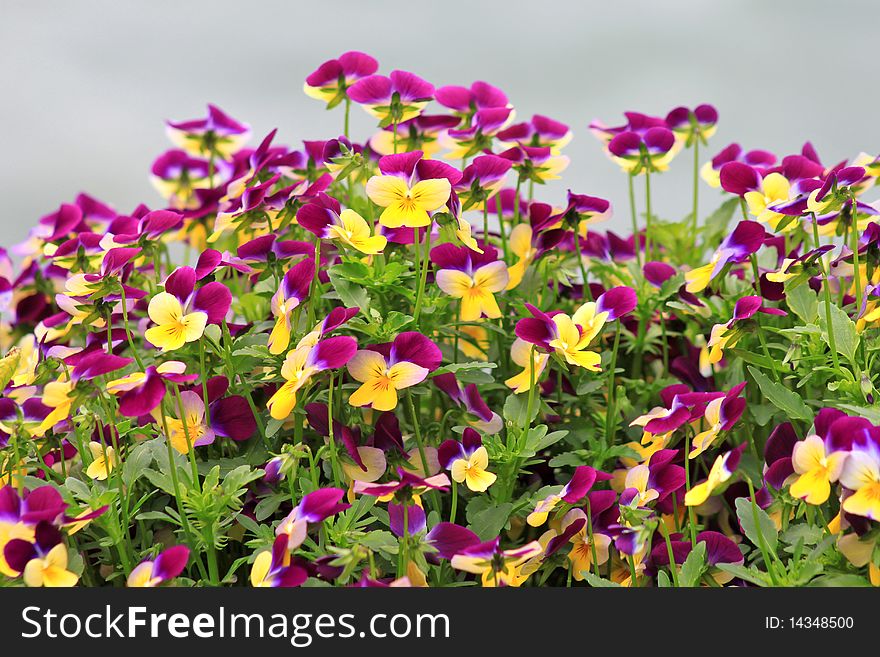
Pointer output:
657, 273
215, 300
719, 548
415, 519
298, 280
333, 353
232, 417
617, 301
414, 347
171, 562
181, 282
738, 178
321, 504
450, 539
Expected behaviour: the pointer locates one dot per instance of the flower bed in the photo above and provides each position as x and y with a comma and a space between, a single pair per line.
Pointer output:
391, 363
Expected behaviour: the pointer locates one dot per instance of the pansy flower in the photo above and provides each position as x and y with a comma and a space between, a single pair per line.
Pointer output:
331, 79
218, 134
140, 392
290, 294
477, 137
653, 481
495, 566
719, 550
528, 241
726, 335
540, 132
473, 278
273, 568
758, 159
467, 461
411, 189
536, 164
574, 491
720, 415
104, 459
165, 567
177, 175
689, 125
399, 97
635, 152
738, 246
407, 487
533, 363
464, 101
480, 415
819, 459
384, 370
302, 363
324, 217
314, 507
423, 133
43, 562
481, 179
861, 476
569, 336
721, 471
573, 529
181, 312
359, 462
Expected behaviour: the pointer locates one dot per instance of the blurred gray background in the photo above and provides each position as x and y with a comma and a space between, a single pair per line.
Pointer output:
87, 83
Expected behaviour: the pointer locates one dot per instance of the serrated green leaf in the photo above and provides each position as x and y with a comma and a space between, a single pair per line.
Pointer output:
781, 397
846, 338
803, 302
693, 567
745, 512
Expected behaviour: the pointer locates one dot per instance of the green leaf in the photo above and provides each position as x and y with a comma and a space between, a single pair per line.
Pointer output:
485, 518
745, 512
781, 397
752, 575
538, 439
845, 336
599, 582
352, 295
869, 413
693, 567
136, 462
516, 409
380, 541
802, 301
8, 365
716, 223
838, 580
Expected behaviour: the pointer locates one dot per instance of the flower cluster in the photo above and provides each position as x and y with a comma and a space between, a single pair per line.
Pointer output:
391, 360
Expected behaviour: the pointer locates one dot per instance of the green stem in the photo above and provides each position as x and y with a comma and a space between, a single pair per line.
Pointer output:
422, 269
580, 258
134, 351
857, 274
635, 222
672, 566
762, 544
827, 292
454, 502
417, 431
696, 189
649, 245
610, 414
175, 484
334, 464
692, 516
